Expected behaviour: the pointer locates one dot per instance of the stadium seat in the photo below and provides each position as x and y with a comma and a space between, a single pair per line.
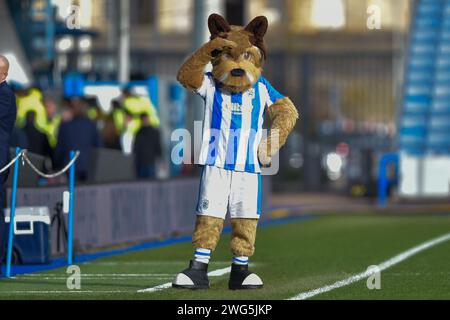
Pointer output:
425, 118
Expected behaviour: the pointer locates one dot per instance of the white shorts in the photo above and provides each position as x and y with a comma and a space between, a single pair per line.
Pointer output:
223, 191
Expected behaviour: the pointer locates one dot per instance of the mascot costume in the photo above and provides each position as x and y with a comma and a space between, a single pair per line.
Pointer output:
236, 98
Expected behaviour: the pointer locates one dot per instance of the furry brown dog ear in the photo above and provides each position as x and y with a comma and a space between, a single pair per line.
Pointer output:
217, 25
258, 28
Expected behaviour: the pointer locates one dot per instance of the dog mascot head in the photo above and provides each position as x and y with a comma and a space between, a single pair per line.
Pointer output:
238, 68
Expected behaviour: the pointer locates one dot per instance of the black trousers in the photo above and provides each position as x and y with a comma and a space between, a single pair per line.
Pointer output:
4, 158
2, 224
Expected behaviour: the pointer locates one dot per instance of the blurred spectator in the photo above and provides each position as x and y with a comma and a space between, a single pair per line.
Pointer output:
147, 148
66, 114
53, 121
110, 135
79, 133
134, 105
18, 139
93, 110
37, 141
127, 136
30, 100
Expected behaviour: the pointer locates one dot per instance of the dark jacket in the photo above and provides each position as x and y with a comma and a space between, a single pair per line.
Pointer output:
147, 146
78, 134
8, 112
37, 141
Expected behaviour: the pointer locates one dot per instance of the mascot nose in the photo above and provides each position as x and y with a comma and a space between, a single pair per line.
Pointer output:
237, 72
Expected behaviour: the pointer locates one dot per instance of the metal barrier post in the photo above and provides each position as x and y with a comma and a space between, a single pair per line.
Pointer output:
71, 194
11, 216
383, 181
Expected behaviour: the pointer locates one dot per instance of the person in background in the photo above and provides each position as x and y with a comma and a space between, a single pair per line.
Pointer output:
53, 120
127, 136
118, 115
66, 111
110, 135
8, 112
93, 110
135, 105
37, 140
147, 148
30, 100
18, 139
80, 133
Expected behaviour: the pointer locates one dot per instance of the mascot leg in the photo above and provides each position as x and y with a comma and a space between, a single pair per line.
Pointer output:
206, 236
243, 245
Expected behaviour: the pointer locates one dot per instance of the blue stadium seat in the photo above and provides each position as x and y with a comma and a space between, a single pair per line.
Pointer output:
425, 118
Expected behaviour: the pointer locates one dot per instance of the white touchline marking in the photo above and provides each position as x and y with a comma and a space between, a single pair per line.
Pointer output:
38, 275
382, 266
215, 273
139, 263
132, 263
95, 278
63, 291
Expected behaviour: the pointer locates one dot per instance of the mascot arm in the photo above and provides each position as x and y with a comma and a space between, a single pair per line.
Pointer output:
283, 115
192, 71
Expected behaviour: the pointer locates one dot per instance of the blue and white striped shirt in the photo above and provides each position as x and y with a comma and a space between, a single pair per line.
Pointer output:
232, 125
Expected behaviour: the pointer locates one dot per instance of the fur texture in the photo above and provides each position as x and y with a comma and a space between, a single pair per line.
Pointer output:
207, 232
230, 49
191, 72
243, 236
283, 115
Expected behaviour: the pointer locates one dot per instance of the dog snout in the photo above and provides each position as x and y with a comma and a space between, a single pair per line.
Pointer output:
237, 72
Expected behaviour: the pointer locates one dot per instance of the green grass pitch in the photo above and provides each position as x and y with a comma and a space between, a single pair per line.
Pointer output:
291, 258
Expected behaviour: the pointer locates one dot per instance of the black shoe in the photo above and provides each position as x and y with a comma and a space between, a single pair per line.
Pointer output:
242, 278
194, 277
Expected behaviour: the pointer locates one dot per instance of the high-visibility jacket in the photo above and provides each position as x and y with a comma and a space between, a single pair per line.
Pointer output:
92, 113
51, 130
136, 105
31, 102
119, 119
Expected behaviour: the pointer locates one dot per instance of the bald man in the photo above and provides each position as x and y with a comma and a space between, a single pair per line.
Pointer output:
7, 120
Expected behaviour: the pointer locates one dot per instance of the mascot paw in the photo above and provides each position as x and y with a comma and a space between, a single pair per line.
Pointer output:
242, 278
264, 158
194, 277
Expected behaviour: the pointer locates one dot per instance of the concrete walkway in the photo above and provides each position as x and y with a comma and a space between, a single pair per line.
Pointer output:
308, 203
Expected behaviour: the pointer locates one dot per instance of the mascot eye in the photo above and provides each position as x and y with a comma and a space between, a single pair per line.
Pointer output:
247, 56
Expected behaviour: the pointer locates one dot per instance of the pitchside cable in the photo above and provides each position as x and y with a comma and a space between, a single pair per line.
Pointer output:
22, 154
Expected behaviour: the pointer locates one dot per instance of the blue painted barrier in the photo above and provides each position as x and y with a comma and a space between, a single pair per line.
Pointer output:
383, 180
73, 156
11, 216
71, 195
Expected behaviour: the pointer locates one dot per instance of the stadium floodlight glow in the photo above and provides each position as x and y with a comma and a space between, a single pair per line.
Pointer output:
334, 162
62, 6
296, 160
328, 14
64, 44
85, 43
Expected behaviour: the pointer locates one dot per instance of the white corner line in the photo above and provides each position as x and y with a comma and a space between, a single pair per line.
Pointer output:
61, 291
382, 266
215, 273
